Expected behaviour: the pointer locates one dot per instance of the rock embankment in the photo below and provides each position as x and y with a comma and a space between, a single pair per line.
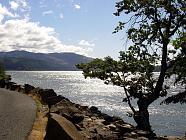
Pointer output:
74, 121
70, 121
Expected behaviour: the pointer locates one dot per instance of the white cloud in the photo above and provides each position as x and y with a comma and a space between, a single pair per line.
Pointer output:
47, 12
76, 6
14, 5
42, 4
31, 36
61, 16
86, 43
17, 32
4, 11
1, 18
21, 8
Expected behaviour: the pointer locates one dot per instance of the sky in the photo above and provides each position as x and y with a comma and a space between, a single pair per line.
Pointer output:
45, 26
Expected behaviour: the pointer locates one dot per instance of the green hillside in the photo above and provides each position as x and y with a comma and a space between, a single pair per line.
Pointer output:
27, 61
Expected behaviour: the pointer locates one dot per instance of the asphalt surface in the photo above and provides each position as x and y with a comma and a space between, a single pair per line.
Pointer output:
17, 115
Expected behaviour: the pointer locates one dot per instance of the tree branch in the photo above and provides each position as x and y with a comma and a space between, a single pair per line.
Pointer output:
177, 26
158, 23
128, 97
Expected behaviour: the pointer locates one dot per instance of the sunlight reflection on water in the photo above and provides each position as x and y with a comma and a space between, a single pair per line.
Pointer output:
166, 120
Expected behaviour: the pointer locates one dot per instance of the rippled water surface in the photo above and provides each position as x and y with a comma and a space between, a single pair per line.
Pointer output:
165, 119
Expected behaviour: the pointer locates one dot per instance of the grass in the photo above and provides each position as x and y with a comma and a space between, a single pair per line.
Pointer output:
39, 127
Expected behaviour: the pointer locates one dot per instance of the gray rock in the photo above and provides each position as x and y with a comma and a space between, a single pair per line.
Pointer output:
14, 86
112, 127
93, 109
117, 120
107, 117
78, 127
143, 133
54, 99
142, 138
77, 118
46, 93
2, 83
60, 128
28, 88
83, 107
67, 116
125, 128
106, 122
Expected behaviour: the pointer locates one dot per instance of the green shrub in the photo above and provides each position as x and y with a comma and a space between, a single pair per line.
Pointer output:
2, 71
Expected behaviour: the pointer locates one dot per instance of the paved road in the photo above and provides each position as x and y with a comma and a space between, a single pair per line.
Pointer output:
17, 114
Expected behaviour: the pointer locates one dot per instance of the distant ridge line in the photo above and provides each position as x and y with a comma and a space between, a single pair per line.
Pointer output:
29, 61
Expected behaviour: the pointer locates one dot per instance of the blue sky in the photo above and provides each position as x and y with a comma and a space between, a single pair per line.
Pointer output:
80, 26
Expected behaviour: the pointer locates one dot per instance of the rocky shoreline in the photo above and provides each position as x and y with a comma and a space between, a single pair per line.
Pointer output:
70, 121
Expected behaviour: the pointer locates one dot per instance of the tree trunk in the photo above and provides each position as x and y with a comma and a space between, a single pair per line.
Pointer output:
142, 120
161, 78
141, 117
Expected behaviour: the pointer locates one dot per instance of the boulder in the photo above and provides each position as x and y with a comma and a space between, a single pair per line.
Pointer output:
146, 134
7, 84
107, 117
93, 109
125, 128
73, 117
14, 86
142, 138
60, 128
2, 83
53, 100
46, 93
78, 127
28, 88
117, 120
67, 116
112, 127
83, 108
142, 132
77, 118
65, 106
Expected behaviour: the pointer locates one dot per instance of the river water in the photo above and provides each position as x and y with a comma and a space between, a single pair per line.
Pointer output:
165, 119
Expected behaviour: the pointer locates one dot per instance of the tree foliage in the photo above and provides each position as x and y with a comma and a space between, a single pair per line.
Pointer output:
2, 71
153, 26
178, 98
178, 67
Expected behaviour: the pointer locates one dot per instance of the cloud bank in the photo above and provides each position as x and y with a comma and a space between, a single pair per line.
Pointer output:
32, 37
86, 43
4, 11
18, 32
14, 5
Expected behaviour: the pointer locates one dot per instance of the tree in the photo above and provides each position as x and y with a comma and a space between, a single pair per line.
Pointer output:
2, 71
178, 67
153, 26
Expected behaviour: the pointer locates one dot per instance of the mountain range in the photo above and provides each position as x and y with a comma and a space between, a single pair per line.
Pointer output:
29, 61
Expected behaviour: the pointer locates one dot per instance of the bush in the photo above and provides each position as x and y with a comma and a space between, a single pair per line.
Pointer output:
2, 71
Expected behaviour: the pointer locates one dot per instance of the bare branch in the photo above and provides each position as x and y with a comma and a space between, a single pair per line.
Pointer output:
128, 97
